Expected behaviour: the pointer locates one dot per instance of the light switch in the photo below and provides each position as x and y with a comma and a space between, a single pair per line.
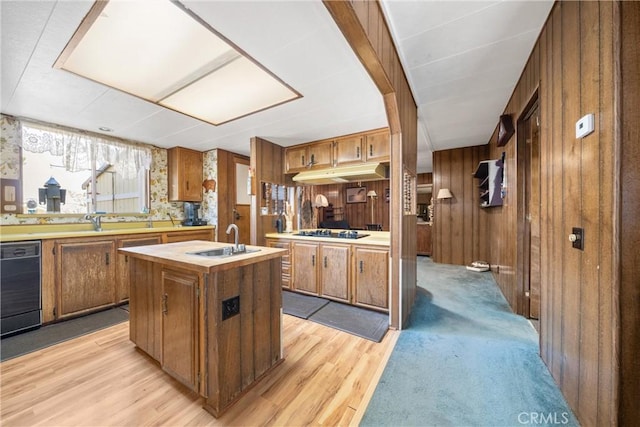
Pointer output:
585, 125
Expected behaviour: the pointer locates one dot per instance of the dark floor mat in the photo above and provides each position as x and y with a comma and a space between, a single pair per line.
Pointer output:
301, 305
354, 320
27, 342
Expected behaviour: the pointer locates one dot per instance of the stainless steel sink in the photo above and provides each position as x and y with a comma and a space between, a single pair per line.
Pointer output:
224, 251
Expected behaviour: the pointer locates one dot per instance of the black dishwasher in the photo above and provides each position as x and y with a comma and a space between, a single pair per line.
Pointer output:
20, 293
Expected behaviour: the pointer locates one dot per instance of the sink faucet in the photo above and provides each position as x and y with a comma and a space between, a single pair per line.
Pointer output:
95, 220
235, 229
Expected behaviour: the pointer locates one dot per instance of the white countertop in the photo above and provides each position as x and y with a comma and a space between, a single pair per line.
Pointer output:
376, 238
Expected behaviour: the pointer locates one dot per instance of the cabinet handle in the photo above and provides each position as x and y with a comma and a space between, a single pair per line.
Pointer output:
325, 262
165, 310
361, 266
358, 152
313, 260
187, 185
107, 257
371, 149
126, 258
302, 160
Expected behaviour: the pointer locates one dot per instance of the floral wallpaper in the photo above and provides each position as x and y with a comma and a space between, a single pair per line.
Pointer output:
160, 208
210, 199
9, 148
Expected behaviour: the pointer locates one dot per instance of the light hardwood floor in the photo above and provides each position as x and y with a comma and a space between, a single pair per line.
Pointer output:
100, 379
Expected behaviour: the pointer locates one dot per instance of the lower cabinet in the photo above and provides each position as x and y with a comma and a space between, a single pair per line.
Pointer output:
286, 260
186, 235
85, 276
334, 272
179, 347
347, 273
122, 267
371, 277
305, 273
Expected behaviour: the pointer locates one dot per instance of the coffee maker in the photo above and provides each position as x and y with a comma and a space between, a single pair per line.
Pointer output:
192, 214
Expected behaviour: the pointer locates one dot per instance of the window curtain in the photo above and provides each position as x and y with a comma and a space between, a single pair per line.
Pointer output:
78, 149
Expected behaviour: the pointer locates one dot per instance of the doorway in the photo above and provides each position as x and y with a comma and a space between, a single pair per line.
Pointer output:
529, 153
242, 201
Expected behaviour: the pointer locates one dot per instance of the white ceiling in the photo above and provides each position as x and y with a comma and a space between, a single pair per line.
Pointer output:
462, 60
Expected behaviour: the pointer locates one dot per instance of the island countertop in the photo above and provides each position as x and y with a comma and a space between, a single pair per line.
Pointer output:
177, 254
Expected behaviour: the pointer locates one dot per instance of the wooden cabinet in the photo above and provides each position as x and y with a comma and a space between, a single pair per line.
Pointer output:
349, 150
192, 234
185, 174
489, 172
286, 259
334, 269
322, 269
305, 273
371, 146
371, 277
377, 147
179, 343
423, 239
122, 266
309, 156
295, 159
85, 276
353, 274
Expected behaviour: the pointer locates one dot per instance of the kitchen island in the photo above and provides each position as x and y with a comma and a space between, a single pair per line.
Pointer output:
212, 323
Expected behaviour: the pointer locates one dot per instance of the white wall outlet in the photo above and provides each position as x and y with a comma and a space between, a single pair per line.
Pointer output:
585, 125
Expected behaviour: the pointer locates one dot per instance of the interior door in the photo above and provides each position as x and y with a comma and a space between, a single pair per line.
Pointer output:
532, 212
242, 202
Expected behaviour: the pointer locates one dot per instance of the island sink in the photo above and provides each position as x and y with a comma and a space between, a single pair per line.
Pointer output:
224, 251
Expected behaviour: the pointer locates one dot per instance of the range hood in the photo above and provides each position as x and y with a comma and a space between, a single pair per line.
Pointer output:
341, 174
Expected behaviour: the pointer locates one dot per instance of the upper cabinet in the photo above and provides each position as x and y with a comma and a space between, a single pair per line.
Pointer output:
185, 175
378, 147
372, 146
349, 150
309, 156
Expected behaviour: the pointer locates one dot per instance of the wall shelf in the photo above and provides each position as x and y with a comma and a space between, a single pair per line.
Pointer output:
490, 172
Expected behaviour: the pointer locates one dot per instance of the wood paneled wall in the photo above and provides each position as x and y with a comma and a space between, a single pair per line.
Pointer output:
364, 26
629, 231
359, 214
585, 61
459, 233
267, 165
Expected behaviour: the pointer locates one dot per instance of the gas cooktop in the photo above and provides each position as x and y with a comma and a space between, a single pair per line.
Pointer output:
344, 234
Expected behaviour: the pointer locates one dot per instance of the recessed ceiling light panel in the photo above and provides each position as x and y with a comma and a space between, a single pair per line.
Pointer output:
159, 51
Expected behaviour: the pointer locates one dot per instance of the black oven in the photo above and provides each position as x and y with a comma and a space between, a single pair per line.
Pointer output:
20, 294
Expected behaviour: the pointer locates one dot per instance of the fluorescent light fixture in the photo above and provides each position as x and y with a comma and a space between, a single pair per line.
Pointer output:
159, 51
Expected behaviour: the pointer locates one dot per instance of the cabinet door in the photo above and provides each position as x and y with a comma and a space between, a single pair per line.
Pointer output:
185, 174
378, 147
185, 236
371, 278
180, 326
122, 267
321, 155
286, 260
334, 272
305, 272
86, 278
296, 159
349, 150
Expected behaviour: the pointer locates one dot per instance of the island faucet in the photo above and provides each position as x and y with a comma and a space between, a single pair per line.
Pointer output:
236, 236
95, 220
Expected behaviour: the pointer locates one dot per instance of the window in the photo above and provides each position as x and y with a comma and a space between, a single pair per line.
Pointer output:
77, 173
